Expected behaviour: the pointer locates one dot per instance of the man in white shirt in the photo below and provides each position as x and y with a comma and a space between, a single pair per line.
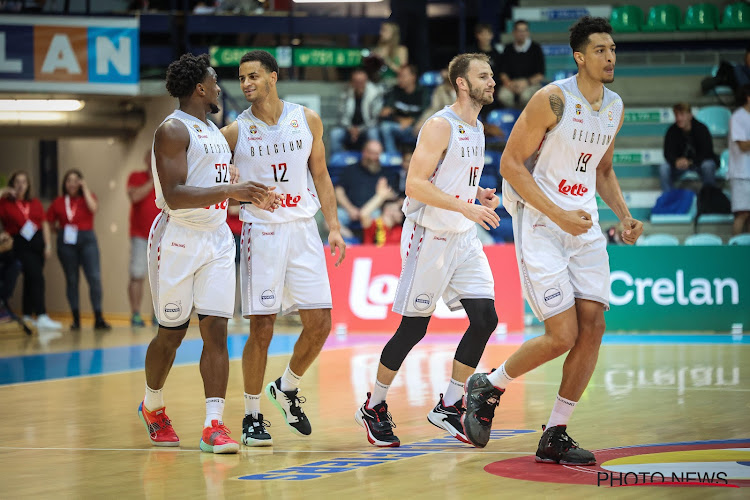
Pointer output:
739, 162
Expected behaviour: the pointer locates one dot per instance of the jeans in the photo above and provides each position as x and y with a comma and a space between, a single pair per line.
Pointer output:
85, 253
669, 174
342, 141
393, 135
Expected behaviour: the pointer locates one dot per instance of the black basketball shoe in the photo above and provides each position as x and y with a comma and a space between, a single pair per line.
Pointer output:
449, 418
556, 447
288, 404
254, 431
481, 400
378, 424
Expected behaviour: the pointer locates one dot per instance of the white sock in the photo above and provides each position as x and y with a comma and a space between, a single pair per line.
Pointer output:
378, 394
154, 399
290, 380
499, 378
252, 404
561, 412
214, 410
454, 392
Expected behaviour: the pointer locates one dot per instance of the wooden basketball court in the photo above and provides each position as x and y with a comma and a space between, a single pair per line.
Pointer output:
656, 404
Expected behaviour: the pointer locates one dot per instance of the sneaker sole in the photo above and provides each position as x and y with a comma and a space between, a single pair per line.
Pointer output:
463, 424
283, 413
248, 441
561, 462
156, 443
441, 423
220, 449
359, 418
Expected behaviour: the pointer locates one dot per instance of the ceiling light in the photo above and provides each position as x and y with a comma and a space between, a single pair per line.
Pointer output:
8, 117
336, 1
41, 105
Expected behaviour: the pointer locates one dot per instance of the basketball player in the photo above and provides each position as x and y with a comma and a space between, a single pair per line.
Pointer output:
558, 156
191, 250
440, 251
282, 265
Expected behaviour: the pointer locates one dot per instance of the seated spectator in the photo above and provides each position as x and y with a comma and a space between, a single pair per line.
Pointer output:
403, 105
359, 114
357, 184
739, 162
484, 36
521, 68
443, 95
386, 228
390, 53
687, 146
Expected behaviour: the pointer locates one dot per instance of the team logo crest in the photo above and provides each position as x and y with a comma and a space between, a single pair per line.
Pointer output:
294, 123
610, 115
461, 129
197, 128
578, 109
253, 129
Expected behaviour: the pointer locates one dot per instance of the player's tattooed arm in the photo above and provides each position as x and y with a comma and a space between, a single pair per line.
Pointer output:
557, 106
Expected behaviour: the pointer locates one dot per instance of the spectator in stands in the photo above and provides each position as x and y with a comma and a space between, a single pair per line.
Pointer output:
484, 36
739, 162
22, 216
357, 184
742, 72
72, 214
143, 211
390, 51
360, 109
687, 146
443, 95
402, 106
521, 68
386, 228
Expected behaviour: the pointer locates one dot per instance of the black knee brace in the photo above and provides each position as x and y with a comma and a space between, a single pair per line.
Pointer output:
482, 322
409, 333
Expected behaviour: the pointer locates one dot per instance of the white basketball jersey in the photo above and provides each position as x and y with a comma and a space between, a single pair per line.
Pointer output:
208, 158
565, 164
277, 155
457, 174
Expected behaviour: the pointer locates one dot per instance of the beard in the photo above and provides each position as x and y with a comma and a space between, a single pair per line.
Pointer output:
214, 108
478, 97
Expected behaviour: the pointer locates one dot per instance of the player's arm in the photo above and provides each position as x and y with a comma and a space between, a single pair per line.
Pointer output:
432, 144
323, 184
609, 190
543, 112
170, 145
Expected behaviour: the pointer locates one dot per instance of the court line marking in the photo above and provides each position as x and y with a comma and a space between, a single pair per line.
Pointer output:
260, 452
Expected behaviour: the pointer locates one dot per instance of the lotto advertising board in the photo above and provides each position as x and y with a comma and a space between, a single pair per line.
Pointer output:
364, 287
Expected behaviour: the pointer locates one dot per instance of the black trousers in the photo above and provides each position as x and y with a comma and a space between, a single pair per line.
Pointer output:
31, 255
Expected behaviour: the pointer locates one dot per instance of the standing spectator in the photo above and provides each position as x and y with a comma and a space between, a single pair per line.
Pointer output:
22, 217
72, 214
484, 36
687, 146
443, 95
359, 114
143, 211
386, 228
739, 162
357, 184
403, 105
521, 69
390, 50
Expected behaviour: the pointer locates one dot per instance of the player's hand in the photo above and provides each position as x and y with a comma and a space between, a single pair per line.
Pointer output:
575, 222
488, 198
252, 192
272, 202
336, 241
485, 216
234, 174
632, 230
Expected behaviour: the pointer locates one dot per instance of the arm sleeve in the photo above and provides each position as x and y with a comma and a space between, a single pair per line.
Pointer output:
706, 144
670, 146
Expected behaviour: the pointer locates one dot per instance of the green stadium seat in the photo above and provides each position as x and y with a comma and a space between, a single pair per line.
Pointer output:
740, 239
700, 17
663, 17
723, 165
703, 240
736, 17
658, 240
716, 118
626, 19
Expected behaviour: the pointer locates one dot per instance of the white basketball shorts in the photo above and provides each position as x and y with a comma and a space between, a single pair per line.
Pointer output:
189, 266
556, 267
283, 268
438, 264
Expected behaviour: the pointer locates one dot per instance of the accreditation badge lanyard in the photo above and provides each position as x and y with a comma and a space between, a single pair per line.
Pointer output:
70, 231
29, 229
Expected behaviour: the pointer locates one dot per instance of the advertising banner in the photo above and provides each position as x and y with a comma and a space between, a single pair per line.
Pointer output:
69, 54
364, 287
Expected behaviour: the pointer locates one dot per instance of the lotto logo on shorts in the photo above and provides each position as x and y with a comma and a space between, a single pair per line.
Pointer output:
268, 298
553, 297
422, 302
172, 310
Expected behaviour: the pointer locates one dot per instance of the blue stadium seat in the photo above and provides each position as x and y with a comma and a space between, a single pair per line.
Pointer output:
492, 161
703, 240
716, 118
391, 159
658, 240
723, 165
430, 79
504, 119
740, 239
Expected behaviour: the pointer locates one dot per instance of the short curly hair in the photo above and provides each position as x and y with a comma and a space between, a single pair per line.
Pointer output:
587, 25
187, 72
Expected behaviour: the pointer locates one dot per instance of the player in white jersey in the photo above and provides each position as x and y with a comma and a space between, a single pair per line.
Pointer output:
282, 264
440, 251
191, 250
558, 157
